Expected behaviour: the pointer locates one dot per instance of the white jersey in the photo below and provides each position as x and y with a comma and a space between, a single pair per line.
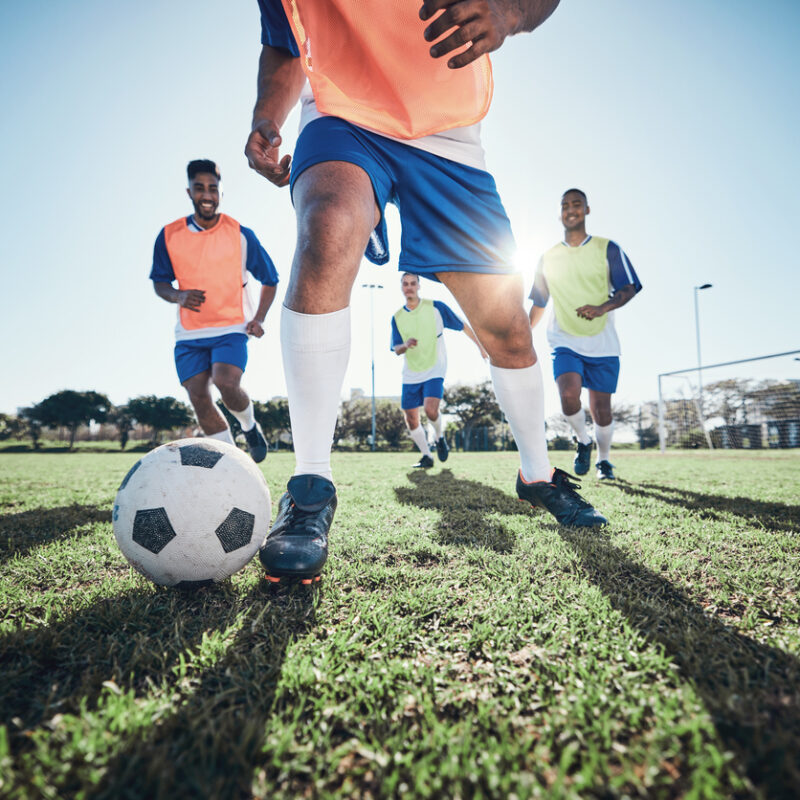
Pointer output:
462, 145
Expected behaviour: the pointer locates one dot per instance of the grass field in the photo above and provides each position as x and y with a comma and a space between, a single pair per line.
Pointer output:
461, 645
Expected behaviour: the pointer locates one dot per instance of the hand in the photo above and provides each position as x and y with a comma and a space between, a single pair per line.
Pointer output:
590, 312
409, 343
262, 153
254, 328
483, 24
191, 299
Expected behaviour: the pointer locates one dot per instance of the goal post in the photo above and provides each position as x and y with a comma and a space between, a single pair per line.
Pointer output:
747, 403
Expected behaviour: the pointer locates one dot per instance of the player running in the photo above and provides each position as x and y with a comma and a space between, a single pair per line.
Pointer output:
418, 334
209, 255
396, 95
587, 277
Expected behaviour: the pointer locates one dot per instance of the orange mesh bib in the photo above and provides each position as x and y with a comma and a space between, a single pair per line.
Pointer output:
210, 260
367, 62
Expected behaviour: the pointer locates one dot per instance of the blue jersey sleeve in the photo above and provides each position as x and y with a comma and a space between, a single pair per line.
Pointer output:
162, 271
449, 318
396, 337
620, 269
275, 29
540, 293
258, 263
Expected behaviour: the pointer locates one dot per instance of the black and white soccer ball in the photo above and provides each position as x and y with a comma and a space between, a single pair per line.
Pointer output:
191, 512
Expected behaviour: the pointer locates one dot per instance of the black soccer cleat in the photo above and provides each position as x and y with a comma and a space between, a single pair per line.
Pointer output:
583, 458
442, 450
559, 497
296, 547
605, 471
256, 443
426, 462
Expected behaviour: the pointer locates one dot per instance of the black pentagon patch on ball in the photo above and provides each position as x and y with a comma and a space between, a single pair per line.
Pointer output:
152, 529
237, 530
199, 455
128, 476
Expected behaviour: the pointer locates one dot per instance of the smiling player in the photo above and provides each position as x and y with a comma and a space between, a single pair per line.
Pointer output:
210, 255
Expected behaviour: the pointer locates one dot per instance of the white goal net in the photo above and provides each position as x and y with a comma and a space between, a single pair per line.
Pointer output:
750, 403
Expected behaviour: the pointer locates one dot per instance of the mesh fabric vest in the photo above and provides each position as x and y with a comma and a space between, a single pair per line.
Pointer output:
210, 260
419, 324
367, 62
578, 276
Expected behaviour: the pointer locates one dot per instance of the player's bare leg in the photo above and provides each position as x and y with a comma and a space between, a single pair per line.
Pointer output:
228, 379
493, 305
570, 385
336, 213
209, 418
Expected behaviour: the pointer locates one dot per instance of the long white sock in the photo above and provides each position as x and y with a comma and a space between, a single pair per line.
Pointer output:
578, 423
316, 348
437, 427
245, 418
222, 436
420, 440
604, 434
430, 432
520, 394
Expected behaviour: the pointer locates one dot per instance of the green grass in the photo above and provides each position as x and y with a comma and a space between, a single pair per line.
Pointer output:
461, 645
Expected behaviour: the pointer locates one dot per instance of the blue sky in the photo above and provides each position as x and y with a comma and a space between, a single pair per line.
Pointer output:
680, 121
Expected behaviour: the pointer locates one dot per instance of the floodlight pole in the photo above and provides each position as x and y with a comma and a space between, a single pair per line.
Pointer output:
372, 286
697, 337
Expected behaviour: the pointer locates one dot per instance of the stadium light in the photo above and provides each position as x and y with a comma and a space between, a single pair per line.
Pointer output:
372, 286
697, 337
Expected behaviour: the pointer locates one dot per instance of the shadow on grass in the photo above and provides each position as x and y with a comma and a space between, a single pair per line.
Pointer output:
25, 530
465, 507
209, 744
775, 516
751, 690
213, 742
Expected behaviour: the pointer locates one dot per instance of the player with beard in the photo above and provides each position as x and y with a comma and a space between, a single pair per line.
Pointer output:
209, 255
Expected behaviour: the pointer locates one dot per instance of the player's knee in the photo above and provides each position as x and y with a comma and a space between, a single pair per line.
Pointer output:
328, 226
508, 339
199, 398
227, 384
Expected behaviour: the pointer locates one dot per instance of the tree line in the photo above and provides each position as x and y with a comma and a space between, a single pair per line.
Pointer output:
478, 421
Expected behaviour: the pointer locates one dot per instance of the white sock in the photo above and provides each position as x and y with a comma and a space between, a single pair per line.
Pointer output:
578, 423
420, 440
430, 432
603, 435
437, 427
316, 348
245, 418
222, 436
520, 394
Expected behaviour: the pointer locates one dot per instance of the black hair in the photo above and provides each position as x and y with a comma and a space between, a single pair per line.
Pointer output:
202, 165
580, 192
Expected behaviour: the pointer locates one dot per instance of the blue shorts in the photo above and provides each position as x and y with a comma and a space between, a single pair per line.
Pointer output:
414, 394
451, 214
599, 374
193, 356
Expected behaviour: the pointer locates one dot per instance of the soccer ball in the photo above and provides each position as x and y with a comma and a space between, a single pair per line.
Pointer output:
191, 512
